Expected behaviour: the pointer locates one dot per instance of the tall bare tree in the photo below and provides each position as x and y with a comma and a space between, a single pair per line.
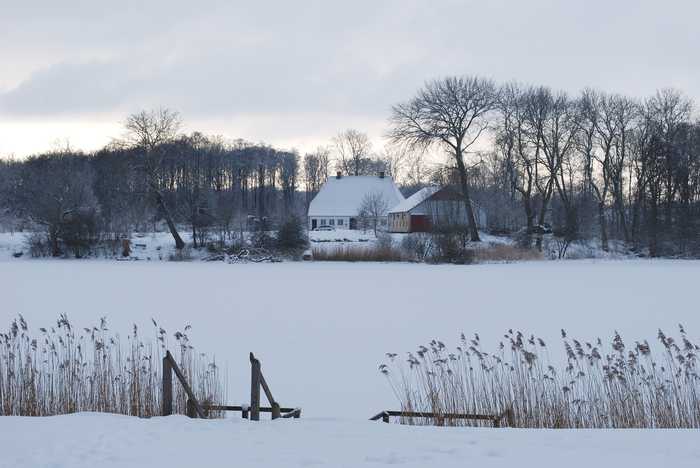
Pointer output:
451, 113
354, 151
149, 130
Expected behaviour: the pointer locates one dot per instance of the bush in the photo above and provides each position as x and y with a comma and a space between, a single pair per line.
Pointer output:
290, 236
181, 255
418, 246
450, 246
261, 238
505, 253
38, 245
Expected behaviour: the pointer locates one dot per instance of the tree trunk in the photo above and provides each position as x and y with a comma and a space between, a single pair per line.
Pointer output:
603, 227
473, 231
179, 243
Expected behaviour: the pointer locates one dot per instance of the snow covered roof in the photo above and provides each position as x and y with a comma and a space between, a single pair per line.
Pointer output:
415, 199
343, 197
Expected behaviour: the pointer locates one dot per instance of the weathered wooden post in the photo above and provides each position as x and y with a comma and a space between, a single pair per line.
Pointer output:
510, 417
254, 388
191, 410
167, 402
385, 417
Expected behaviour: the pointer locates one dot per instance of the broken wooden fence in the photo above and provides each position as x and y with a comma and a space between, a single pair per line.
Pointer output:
441, 418
195, 409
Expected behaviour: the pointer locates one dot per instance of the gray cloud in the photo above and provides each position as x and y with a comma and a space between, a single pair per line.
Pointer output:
216, 61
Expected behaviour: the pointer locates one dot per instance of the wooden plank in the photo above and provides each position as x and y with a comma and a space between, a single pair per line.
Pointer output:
254, 388
276, 412
384, 415
266, 389
185, 385
296, 414
263, 409
167, 397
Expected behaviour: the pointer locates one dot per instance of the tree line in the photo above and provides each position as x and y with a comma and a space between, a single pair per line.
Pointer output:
593, 166
619, 170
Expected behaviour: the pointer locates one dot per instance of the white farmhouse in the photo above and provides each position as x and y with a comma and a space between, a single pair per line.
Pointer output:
339, 201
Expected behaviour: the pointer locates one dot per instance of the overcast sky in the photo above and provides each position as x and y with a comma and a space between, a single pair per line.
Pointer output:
294, 73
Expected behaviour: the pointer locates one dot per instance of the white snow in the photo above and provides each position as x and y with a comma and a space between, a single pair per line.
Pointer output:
320, 329
415, 199
99, 440
343, 197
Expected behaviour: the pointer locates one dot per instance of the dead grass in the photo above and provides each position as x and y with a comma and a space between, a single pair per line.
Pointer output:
66, 369
505, 253
364, 253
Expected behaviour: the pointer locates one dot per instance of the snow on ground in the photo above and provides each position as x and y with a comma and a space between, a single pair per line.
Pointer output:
321, 329
98, 440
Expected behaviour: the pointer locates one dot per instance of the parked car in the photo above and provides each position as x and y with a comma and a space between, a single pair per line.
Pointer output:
325, 228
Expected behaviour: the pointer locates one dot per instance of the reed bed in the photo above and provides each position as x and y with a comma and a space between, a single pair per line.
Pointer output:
359, 254
64, 369
600, 386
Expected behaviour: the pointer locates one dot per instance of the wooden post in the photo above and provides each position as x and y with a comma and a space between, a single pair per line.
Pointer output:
276, 413
244, 413
191, 411
167, 402
254, 388
180, 376
385, 417
510, 417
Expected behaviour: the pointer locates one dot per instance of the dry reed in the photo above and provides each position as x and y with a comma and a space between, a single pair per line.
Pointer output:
611, 386
65, 370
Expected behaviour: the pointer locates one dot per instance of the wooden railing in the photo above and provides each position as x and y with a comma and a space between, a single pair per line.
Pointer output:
440, 418
196, 409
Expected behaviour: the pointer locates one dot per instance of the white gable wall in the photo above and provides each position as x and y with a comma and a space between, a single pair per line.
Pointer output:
340, 200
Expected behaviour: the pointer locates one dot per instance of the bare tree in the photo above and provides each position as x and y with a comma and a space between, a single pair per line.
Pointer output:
452, 113
148, 130
315, 172
373, 208
354, 151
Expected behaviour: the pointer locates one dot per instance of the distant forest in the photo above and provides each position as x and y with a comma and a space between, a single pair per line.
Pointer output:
596, 166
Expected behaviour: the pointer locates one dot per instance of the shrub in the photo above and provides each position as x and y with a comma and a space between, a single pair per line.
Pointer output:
505, 253
261, 238
290, 236
181, 255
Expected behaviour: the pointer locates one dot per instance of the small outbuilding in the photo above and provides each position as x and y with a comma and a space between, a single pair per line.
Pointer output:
432, 207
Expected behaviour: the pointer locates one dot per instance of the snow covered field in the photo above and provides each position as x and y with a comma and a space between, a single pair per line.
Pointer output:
320, 330
97, 440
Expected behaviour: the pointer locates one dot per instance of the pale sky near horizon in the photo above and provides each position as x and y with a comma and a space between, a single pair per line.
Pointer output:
293, 74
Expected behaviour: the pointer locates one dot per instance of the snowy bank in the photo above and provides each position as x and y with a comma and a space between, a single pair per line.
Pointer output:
99, 440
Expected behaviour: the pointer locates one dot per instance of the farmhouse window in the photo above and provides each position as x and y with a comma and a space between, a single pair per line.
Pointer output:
331, 222
340, 222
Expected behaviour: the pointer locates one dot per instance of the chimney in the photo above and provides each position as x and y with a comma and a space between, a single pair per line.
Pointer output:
381, 175
338, 175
